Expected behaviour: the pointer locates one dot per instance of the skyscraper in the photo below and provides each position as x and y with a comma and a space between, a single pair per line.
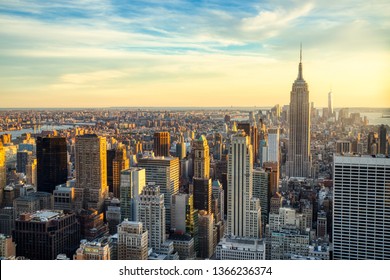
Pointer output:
361, 223
181, 151
244, 212
52, 163
330, 104
161, 144
132, 241
298, 158
2, 171
119, 163
201, 180
133, 181
91, 170
273, 144
383, 148
151, 213
43, 235
164, 172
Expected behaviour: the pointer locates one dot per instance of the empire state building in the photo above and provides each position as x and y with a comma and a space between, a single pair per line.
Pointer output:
298, 157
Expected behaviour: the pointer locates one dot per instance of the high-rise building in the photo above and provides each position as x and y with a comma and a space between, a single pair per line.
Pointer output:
132, 241
133, 181
202, 158
244, 211
206, 243
164, 172
218, 146
23, 158
298, 158
330, 104
261, 190
91, 170
92, 225
151, 212
110, 168
119, 163
180, 212
161, 144
361, 210
202, 183
383, 143
273, 144
3, 175
181, 151
45, 234
52, 163
31, 176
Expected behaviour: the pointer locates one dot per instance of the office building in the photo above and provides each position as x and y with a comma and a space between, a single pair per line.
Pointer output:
206, 238
184, 245
202, 184
163, 172
113, 215
3, 170
64, 197
23, 158
43, 235
244, 211
151, 213
119, 163
261, 190
91, 170
361, 212
383, 142
298, 159
31, 170
239, 248
133, 180
161, 144
132, 241
52, 163
273, 145
181, 151
7, 246
330, 104
92, 225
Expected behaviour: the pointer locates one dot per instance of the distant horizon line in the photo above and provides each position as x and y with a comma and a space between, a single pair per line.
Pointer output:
179, 107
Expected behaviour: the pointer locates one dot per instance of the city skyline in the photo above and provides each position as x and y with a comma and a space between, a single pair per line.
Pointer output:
191, 53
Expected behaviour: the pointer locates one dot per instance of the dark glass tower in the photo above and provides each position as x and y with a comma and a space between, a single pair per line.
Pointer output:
52, 169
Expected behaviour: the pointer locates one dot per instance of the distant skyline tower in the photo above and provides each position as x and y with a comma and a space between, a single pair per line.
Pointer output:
330, 104
91, 170
298, 159
161, 143
52, 163
244, 211
181, 151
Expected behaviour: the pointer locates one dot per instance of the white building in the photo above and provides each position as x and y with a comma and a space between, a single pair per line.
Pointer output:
240, 249
361, 207
273, 144
132, 182
244, 211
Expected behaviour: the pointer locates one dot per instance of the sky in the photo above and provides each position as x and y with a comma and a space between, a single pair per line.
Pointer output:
206, 53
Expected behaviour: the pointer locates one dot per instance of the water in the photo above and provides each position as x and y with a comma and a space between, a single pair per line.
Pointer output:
37, 129
376, 118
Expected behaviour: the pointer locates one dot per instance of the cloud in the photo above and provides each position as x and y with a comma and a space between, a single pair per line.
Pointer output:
97, 76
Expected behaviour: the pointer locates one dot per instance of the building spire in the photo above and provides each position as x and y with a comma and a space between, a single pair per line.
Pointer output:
300, 77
